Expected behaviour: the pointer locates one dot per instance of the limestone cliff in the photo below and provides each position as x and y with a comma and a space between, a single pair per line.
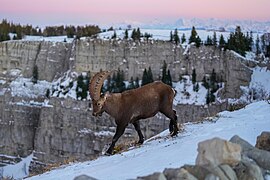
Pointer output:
63, 128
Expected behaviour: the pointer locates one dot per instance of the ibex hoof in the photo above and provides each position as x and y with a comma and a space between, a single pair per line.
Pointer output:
174, 133
108, 154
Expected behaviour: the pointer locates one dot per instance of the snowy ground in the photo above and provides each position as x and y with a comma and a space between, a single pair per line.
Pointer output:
164, 152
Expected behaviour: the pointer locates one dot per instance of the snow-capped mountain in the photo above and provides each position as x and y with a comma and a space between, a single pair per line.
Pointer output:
207, 24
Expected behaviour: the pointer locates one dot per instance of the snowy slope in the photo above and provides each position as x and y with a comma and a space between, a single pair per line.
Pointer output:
164, 152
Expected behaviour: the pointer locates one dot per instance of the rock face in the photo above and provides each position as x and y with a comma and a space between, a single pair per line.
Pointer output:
53, 59
216, 151
64, 129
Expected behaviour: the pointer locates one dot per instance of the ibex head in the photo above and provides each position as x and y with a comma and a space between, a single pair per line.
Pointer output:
95, 86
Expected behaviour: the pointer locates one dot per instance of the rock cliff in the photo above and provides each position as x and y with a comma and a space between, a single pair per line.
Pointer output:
63, 128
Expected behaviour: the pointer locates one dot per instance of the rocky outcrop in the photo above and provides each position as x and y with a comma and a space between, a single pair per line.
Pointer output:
51, 58
64, 129
92, 55
221, 159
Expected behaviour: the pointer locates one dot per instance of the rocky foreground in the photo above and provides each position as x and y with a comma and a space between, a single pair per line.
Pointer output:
221, 159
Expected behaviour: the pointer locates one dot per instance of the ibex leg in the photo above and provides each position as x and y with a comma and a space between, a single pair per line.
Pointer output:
138, 129
119, 132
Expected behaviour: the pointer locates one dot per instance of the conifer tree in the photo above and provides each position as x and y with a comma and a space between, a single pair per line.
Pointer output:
176, 37
222, 42
131, 84
183, 38
114, 35
35, 74
136, 85
193, 76
144, 77
258, 51
198, 41
209, 41
171, 36
215, 39
126, 34
193, 35
169, 78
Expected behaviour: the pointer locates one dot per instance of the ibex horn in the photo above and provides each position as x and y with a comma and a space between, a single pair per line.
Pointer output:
96, 84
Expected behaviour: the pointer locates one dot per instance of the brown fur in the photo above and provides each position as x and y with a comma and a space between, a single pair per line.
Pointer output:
133, 105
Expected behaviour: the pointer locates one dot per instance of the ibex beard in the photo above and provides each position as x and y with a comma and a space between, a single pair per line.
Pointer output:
132, 105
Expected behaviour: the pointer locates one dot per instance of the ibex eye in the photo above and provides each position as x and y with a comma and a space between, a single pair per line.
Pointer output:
98, 104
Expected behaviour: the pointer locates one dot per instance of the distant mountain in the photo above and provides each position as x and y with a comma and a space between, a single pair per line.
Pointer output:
207, 24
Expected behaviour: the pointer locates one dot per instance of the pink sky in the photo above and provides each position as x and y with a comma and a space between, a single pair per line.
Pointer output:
114, 11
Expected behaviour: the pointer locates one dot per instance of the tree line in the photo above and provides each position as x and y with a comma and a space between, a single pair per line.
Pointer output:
19, 31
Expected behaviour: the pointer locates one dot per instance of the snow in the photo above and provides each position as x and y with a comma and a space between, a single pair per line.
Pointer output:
260, 79
162, 151
164, 34
18, 170
50, 38
186, 95
24, 87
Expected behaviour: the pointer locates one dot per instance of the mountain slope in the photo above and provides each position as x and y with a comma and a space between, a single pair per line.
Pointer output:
163, 152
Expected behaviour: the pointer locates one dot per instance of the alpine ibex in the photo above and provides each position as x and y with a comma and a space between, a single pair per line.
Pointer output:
132, 105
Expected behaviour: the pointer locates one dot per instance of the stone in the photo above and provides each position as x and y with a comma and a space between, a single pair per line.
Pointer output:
179, 173
263, 141
248, 170
84, 177
261, 157
154, 176
199, 172
217, 151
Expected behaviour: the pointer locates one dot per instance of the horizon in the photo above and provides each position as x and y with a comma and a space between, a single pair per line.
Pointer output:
109, 13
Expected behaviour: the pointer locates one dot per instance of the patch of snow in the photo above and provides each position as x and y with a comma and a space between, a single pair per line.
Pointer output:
19, 170
162, 151
186, 95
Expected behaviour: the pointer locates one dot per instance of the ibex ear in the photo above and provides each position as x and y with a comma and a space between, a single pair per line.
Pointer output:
107, 94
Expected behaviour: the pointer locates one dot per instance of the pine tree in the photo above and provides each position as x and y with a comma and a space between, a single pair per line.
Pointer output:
164, 75
209, 41
222, 42
126, 34
171, 36
176, 37
193, 76
258, 51
215, 39
35, 74
114, 35
193, 35
150, 75
144, 77
169, 78
131, 84
183, 38
136, 85
198, 41
267, 54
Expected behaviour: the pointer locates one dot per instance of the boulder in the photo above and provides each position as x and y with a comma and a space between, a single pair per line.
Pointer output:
248, 170
179, 173
217, 151
84, 177
199, 172
261, 157
263, 141
154, 176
